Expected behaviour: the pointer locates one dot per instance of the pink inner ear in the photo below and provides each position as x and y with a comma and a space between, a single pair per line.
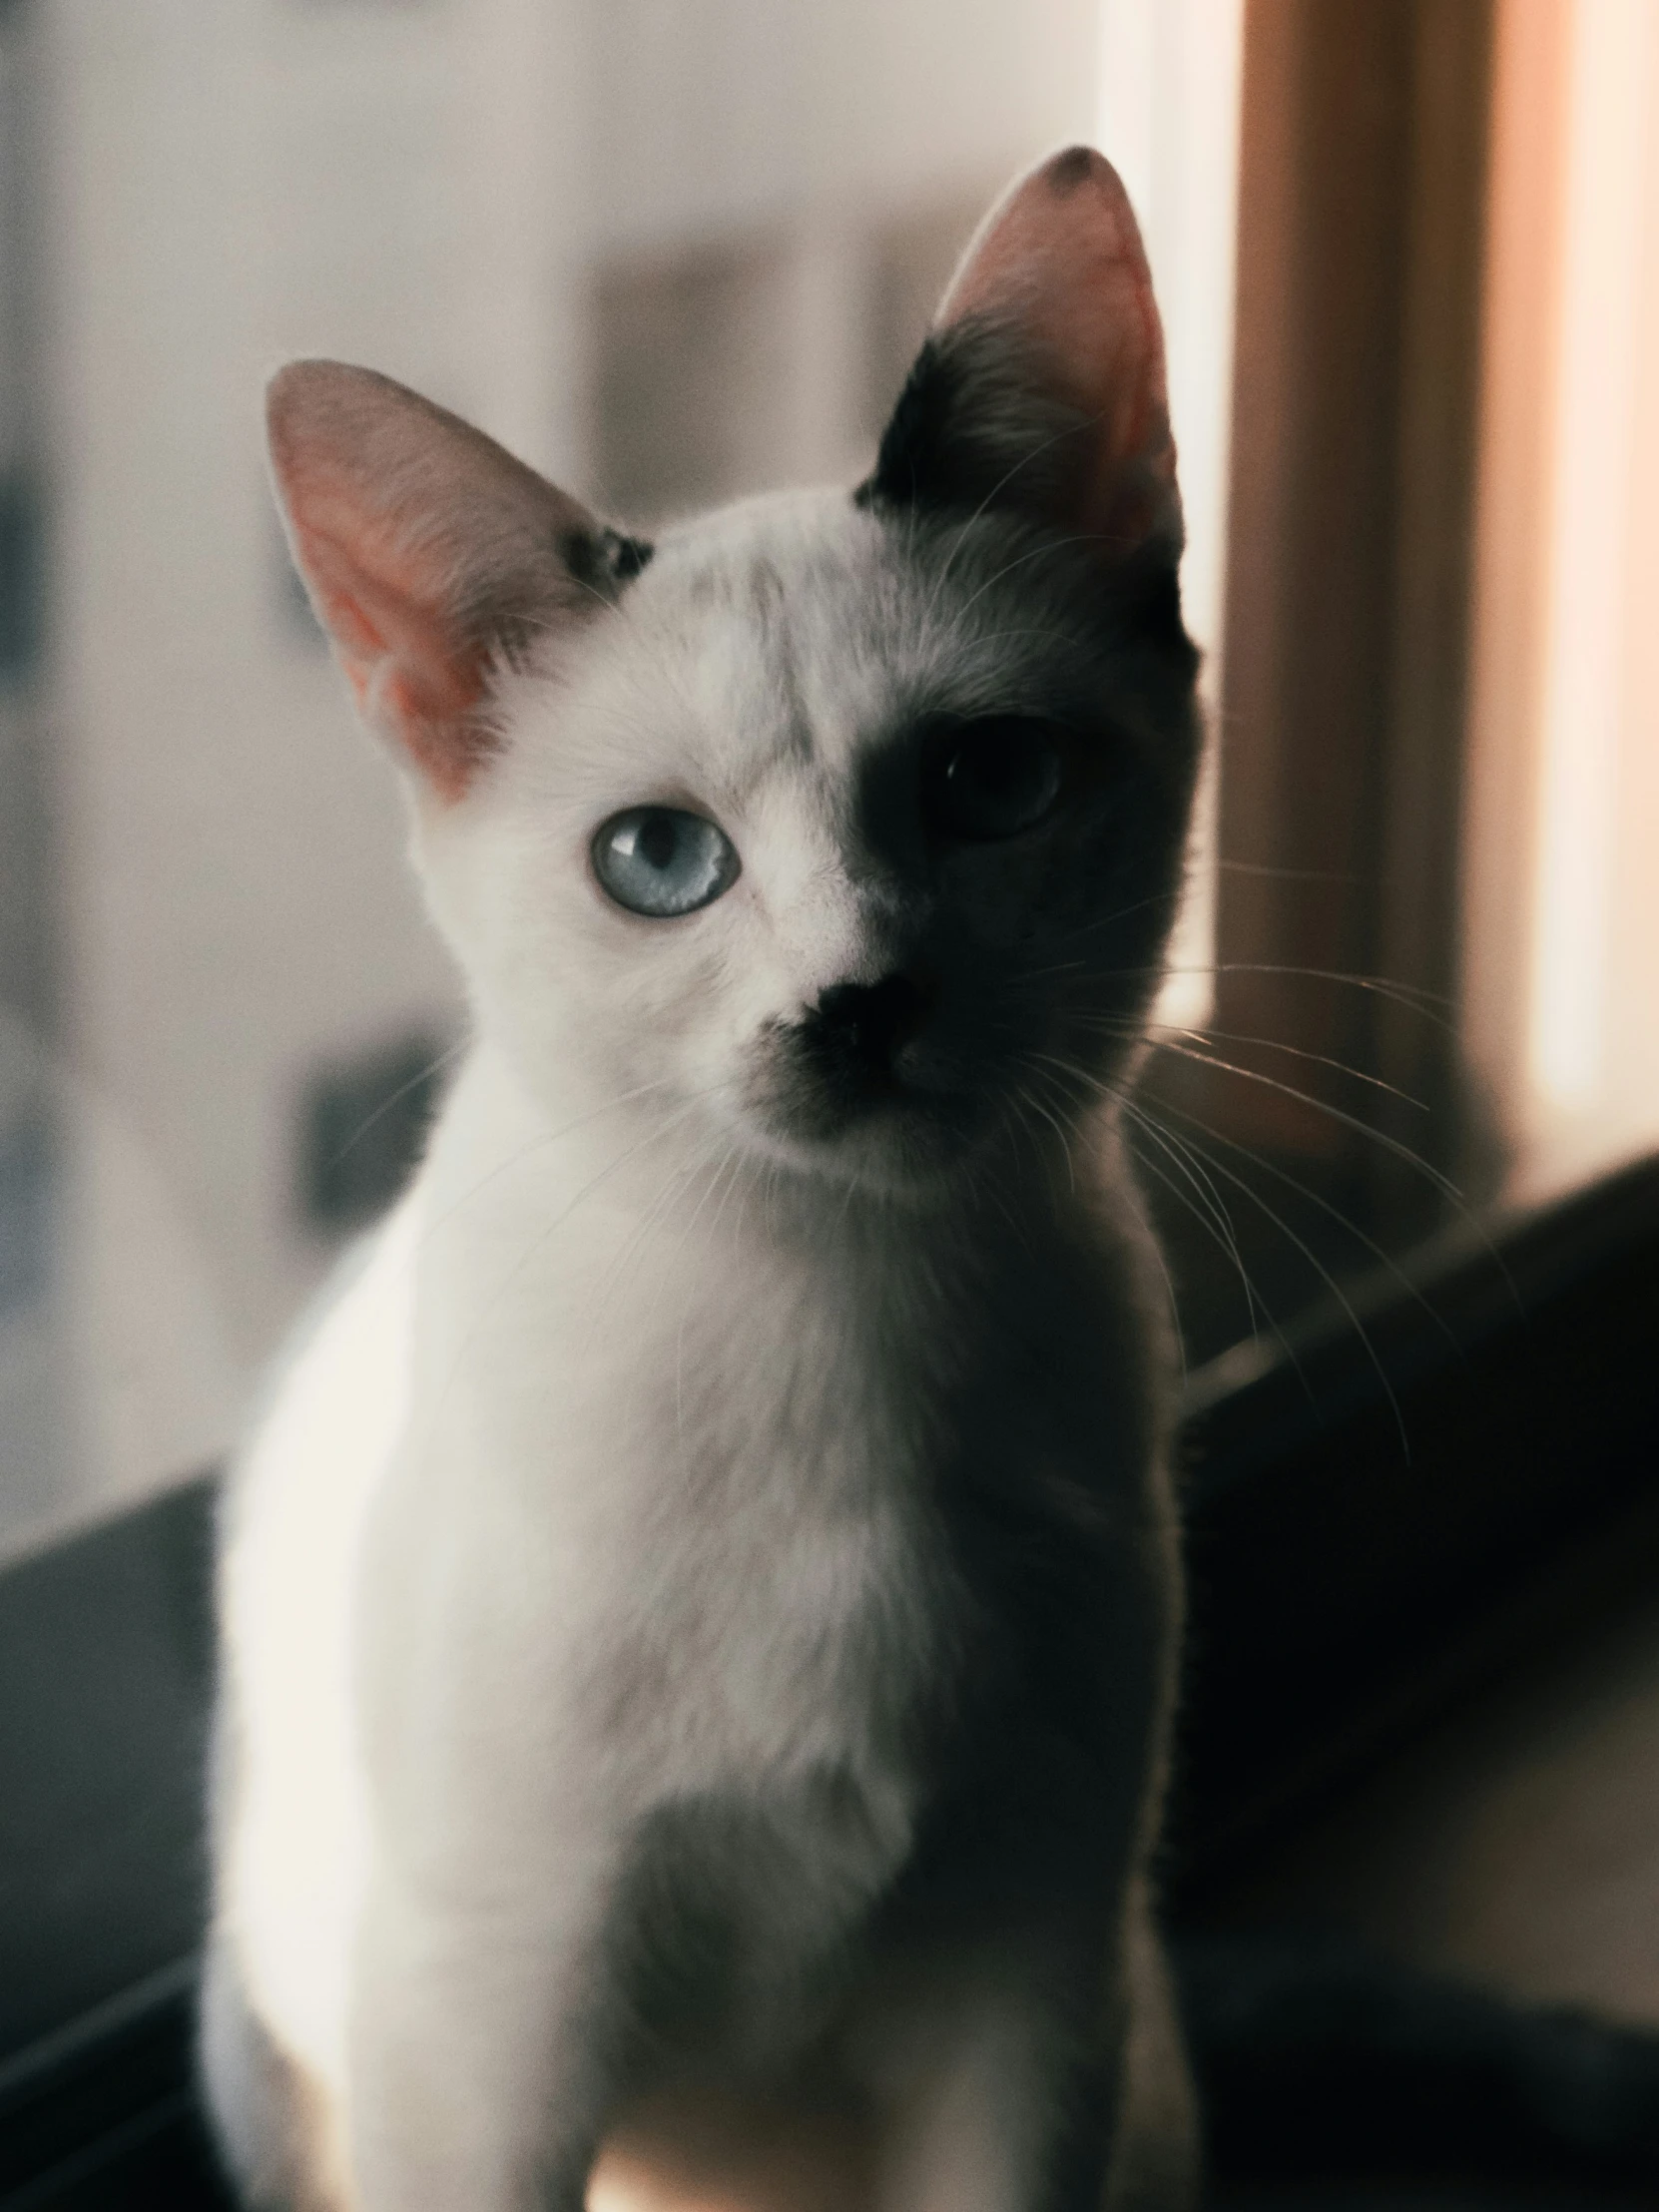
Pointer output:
1062, 264
386, 607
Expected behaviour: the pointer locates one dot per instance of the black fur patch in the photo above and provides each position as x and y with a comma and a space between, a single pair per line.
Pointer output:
630, 555
907, 459
978, 427
846, 1042
974, 427
604, 559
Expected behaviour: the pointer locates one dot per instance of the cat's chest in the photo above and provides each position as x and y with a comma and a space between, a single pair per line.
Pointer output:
703, 1531
779, 1574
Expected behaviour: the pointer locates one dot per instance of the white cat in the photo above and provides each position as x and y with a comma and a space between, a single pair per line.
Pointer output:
701, 1606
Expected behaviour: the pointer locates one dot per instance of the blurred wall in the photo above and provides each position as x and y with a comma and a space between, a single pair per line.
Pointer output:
502, 202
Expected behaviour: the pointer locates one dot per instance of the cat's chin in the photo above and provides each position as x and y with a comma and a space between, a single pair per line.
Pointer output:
903, 1154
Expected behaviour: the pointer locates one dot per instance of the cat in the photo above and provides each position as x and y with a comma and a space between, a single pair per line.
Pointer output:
700, 1611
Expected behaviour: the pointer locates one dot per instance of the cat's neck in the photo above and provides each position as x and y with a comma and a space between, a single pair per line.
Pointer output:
593, 1170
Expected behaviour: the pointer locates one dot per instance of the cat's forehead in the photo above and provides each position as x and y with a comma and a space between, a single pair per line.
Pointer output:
795, 620
775, 647
802, 629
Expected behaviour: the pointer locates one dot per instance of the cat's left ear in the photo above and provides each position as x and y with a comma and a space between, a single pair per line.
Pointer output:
1041, 387
429, 554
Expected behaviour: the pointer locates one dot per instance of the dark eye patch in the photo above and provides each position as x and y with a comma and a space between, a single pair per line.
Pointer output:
986, 781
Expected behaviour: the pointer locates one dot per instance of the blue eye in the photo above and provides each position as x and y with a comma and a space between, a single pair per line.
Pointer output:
660, 861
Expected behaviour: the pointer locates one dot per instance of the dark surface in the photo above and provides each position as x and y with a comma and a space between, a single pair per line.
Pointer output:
1340, 1589
105, 1661
1355, 1550
1318, 2059
105, 2114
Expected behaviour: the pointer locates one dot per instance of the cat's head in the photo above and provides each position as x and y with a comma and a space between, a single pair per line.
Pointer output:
847, 826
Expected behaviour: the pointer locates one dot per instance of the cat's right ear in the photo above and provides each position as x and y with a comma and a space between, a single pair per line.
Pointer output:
430, 555
1041, 390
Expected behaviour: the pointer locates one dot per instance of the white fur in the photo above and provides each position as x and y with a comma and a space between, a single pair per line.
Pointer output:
592, 1490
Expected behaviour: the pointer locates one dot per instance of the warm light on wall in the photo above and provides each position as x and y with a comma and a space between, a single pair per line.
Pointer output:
1170, 75
1561, 896
1583, 707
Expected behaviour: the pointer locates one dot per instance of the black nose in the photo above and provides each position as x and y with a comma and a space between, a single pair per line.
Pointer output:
858, 1029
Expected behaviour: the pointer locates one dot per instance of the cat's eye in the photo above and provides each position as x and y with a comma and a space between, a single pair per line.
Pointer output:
662, 862
993, 780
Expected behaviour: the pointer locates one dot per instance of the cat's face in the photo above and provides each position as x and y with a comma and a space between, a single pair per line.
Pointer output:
919, 790
842, 827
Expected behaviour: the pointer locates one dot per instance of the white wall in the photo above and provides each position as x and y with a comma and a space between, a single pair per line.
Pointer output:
230, 186
423, 187
722, 114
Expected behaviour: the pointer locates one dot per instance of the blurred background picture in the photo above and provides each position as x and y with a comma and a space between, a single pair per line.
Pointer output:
674, 252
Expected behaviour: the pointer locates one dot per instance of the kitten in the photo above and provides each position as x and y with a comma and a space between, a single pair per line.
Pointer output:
699, 1609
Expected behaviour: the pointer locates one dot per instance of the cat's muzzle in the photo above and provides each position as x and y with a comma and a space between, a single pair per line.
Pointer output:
863, 1051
